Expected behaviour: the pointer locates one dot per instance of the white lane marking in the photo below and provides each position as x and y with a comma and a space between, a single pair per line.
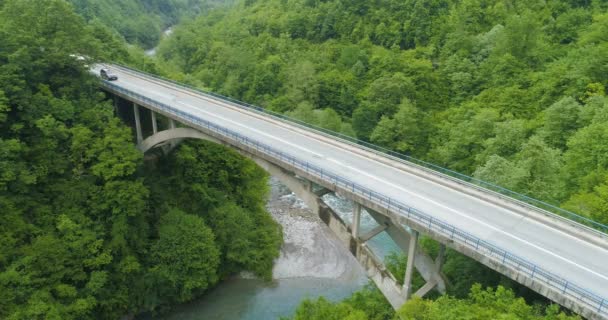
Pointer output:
415, 194
399, 188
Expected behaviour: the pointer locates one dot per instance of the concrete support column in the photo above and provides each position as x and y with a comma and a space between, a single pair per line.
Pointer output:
140, 136
172, 125
309, 186
356, 220
440, 258
115, 105
409, 271
154, 125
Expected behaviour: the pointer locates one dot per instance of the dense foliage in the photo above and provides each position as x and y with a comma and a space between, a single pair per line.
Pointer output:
510, 91
88, 231
480, 304
141, 21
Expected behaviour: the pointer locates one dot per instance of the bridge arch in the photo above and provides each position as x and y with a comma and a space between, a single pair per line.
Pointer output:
429, 269
172, 135
176, 135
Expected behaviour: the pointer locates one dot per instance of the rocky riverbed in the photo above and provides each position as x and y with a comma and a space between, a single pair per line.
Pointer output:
310, 249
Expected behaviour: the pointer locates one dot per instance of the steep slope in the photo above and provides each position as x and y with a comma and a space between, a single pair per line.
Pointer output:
513, 92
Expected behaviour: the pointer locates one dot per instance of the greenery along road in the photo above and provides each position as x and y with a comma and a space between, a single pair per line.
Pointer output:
88, 231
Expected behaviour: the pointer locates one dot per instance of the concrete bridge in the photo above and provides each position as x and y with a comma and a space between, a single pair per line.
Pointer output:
562, 260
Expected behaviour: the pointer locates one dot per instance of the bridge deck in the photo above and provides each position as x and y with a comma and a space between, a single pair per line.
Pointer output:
580, 262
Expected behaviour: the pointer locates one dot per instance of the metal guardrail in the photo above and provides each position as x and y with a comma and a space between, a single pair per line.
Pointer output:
498, 255
478, 184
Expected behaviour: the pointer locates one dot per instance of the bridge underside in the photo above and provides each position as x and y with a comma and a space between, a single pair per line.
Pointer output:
348, 233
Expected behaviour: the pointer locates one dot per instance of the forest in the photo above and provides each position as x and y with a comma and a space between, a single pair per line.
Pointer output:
512, 92
508, 91
141, 22
89, 230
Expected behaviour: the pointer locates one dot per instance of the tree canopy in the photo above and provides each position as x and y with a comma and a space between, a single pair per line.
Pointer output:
511, 92
89, 230
141, 22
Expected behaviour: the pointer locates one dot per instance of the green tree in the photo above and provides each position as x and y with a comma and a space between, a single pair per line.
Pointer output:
402, 132
322, 309
586, 160
509, 136
481, 304
465, 139
89, 231
561, 121
503, 172
535, 170
184, 258
329, 119
593, 204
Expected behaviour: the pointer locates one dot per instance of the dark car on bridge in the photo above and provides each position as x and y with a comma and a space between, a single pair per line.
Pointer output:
106, 74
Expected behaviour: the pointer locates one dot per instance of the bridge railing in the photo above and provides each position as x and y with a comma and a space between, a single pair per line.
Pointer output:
484, 186
574, 292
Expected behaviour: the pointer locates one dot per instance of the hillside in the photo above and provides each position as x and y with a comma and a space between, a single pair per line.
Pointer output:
512, 92
89, 230
142, 21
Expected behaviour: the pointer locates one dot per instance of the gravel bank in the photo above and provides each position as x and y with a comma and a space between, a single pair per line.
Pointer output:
310, 249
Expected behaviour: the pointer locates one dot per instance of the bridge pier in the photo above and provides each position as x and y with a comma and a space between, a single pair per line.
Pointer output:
115, 100
351, 237
356, 220
440, 257
409, 270
154, 123
140, 136
423, 263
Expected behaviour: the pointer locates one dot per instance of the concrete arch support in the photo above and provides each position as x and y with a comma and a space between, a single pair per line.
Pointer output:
172, 135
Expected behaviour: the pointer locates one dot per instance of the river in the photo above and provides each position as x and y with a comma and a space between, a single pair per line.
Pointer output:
312, 263
167, 32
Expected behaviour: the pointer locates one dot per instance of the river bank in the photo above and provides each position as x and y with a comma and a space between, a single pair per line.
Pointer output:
312, 263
